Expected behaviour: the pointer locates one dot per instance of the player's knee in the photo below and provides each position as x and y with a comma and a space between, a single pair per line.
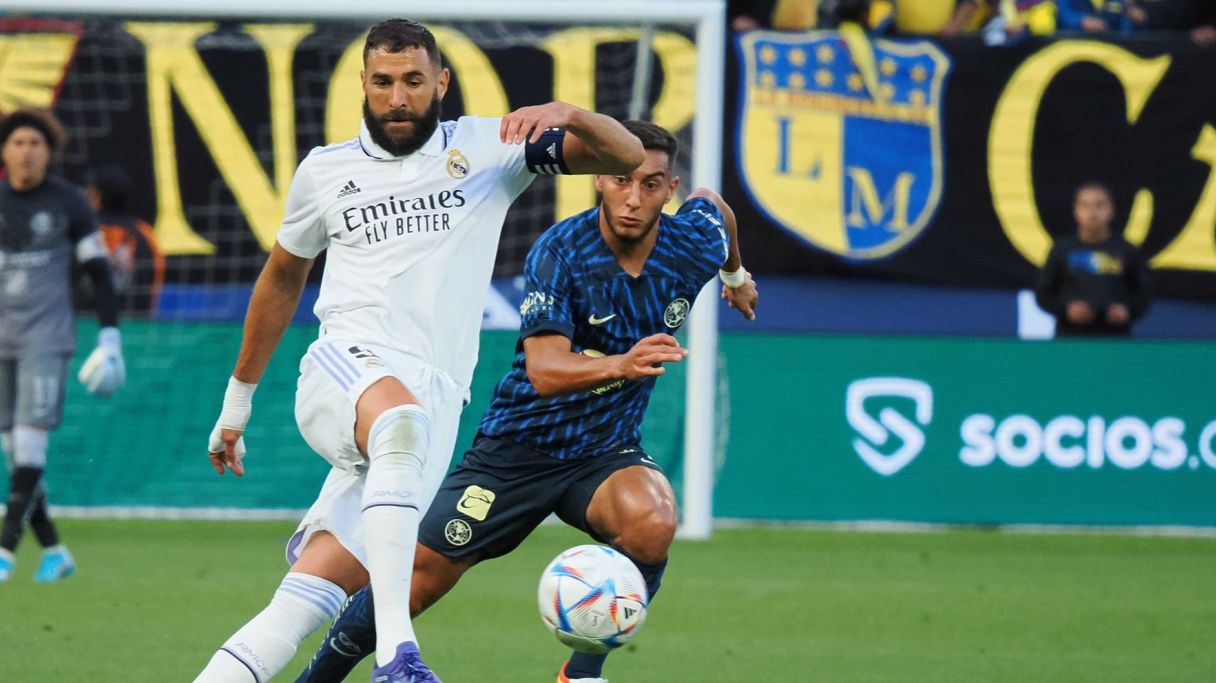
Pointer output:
402, 434
648, 537
29, 446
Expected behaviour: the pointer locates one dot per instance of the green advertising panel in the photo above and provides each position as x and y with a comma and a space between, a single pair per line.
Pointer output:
966, 431
145, 447
970, 431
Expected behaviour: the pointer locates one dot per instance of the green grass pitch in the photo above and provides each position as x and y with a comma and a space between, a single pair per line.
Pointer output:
152, 601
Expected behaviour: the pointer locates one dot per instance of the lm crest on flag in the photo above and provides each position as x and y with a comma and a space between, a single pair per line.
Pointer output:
840, 137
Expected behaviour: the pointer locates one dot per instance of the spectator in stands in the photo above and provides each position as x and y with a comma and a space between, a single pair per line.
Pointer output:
1198, 17
788, 15
875, 16
136, 263
1094, 282
1010, 19
945, 18
1204, 33
1100, 16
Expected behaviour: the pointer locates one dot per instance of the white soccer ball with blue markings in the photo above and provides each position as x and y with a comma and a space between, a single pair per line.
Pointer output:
592, 598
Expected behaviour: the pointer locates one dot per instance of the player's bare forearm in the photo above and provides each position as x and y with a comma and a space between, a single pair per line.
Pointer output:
596, 143
271, 308
555, 369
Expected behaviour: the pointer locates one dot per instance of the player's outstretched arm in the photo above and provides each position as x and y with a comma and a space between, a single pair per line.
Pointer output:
554, 368
738, 288
103, 371
594, 143
275, 297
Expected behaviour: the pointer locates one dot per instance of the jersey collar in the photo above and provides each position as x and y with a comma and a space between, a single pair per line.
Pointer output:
433, 147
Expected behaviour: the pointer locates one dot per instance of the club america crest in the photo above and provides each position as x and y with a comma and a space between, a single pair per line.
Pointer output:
676, 312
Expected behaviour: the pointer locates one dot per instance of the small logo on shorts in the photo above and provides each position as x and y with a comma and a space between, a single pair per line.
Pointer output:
370, 359
458, 532
476, 502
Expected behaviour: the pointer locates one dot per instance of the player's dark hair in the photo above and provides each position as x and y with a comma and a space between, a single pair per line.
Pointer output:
40, 120
395, 35
654, 136
113, 185
1093, 185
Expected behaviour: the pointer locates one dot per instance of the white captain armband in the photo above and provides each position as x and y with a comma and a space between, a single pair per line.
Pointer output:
545, 156
90, 247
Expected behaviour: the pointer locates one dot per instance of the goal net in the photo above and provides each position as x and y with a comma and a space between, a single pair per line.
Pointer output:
209, 118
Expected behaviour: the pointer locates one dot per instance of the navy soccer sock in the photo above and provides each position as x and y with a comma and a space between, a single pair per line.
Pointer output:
351, 638
585, 665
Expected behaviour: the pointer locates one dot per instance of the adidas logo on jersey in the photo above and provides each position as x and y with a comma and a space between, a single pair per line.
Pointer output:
348, 189
552, 150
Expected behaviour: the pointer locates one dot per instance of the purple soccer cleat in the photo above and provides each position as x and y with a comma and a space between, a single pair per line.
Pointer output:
406, 667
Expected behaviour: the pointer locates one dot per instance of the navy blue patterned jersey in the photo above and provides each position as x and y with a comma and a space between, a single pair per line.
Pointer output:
576, 288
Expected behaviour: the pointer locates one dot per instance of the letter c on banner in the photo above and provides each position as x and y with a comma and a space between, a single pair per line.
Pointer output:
1011, 138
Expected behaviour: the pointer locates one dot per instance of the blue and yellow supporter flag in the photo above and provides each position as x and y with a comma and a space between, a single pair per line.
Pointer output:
840, 137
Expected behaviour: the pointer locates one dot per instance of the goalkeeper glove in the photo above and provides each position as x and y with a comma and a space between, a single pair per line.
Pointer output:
238, 405
103, 371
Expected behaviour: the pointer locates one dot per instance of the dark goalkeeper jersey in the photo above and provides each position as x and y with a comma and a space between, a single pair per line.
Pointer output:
39, 231
576, 288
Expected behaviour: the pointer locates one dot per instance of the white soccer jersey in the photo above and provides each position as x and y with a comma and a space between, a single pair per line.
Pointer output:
411, 239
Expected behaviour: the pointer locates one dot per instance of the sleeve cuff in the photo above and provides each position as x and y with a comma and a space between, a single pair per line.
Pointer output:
563, 328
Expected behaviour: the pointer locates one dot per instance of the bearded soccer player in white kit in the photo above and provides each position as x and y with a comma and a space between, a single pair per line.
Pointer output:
410, 212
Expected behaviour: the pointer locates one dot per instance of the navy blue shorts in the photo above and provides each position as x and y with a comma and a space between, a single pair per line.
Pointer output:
502, 490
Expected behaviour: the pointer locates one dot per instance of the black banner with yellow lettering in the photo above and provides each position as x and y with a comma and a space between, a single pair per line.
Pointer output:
955, 163
948, 163
210, 119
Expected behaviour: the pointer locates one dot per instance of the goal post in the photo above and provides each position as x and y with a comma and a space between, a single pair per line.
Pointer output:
703, 20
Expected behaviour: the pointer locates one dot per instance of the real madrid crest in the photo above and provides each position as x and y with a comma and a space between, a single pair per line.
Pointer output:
676, 312
458, 164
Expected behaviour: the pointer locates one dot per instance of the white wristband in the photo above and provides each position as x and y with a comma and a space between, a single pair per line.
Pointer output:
735, 279
238, 404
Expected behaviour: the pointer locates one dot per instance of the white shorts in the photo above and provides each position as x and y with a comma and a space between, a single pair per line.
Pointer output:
333, 375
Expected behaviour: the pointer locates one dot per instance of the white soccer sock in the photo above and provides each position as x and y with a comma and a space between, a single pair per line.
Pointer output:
262, 647
397, 450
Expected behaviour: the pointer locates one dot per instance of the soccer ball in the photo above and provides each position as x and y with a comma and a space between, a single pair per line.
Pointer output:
592, 598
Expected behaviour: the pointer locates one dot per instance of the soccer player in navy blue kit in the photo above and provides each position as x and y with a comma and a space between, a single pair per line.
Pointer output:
606, 290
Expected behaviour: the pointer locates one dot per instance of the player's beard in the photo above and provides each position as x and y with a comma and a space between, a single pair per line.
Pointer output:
401, 145
627, 235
